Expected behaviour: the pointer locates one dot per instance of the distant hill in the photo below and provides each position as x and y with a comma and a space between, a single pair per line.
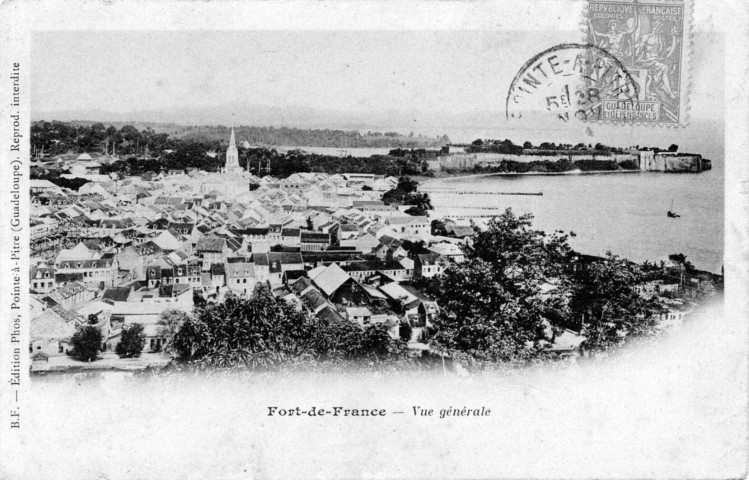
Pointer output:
300, 137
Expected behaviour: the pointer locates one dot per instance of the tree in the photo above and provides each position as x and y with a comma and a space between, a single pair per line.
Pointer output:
527, 145
705, 291
438, 227
170, 322
345, 341
132, 341
310, 225
502, 303
416, 212
415, 248
405, 331
607, 308
673, 148
86, 343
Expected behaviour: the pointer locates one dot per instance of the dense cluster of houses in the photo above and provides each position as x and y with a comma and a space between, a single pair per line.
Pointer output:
126, 250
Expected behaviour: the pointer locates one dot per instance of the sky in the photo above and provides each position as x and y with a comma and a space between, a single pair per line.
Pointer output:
366, 70
432, 82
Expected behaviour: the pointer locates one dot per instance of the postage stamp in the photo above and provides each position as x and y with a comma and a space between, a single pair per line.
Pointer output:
651, 40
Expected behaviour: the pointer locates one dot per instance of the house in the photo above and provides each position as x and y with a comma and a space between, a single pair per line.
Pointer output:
147, 314
365, 242
217, 277
83, 168
182, 274
326, 257
79, 252
212, 249
331, 279
134, 258
449, 250
345, 231
458, 231
314, 241
365, 316
167, 240
415, 307
410, 225
240, 275
50, 334
41, 186
117, 294
280, 262
392, 268
262, 266
70, 295
177, 295
428, 265
97, 273
42, 278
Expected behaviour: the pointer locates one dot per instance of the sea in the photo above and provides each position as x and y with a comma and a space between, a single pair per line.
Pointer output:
624, 213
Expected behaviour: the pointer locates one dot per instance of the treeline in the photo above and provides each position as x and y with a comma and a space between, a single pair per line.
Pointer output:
494, 146
284, 164
559, 166
55, 138
508, 147
195, 155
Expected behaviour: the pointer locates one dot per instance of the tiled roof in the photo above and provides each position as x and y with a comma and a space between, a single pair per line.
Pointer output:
374, 265
429, 259
331, 279
117, 294
315, 237
285, 258
50, 325
211, 244
328, 315
240, 270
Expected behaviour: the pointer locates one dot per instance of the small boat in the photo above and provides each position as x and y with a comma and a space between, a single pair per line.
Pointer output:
671, 213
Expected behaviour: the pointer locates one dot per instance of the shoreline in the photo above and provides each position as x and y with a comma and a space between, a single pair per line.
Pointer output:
447, 176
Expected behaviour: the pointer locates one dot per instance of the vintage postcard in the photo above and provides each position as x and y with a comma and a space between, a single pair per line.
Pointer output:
297, 239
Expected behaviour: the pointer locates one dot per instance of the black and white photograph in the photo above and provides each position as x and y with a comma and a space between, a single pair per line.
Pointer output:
374, 240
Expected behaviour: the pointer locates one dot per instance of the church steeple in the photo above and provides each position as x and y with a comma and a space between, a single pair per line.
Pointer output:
232, 157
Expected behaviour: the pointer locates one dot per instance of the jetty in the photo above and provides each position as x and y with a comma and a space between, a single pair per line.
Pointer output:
463, 217
480, 192
468, 207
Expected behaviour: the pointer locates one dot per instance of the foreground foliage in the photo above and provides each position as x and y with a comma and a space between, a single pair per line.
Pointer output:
499, 304
267, 333
512, 296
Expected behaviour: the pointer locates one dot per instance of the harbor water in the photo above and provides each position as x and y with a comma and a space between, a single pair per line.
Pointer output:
624, 213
